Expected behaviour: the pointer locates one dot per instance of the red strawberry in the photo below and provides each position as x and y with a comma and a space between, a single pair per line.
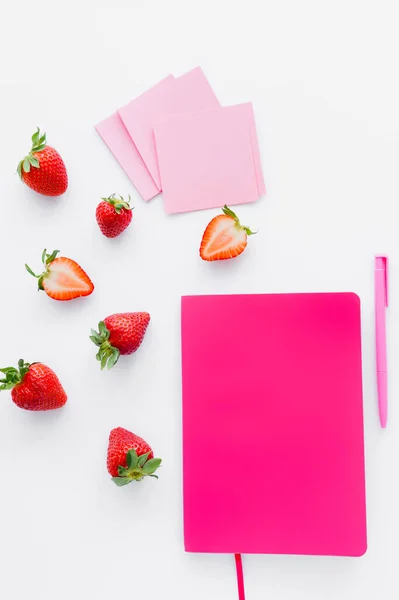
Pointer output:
43, 169
63, 278
113, 215
119, 334
33, 387
224, 237
129, 457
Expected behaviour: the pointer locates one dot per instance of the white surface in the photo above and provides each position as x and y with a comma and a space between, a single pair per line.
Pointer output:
323, 79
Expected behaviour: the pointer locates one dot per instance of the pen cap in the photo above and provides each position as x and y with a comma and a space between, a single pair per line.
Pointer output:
381, 264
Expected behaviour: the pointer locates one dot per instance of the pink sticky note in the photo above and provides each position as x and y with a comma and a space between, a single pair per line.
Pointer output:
246, 111
255, 149
209, 160
274, 424
187, 94
116, 137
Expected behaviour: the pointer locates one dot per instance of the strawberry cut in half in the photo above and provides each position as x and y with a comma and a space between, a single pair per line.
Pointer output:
63, 279
43, 169
33, 386
129, 457
224, 237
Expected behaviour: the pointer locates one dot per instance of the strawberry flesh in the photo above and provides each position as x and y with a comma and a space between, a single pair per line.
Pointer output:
224, 237
66, 280
63, 278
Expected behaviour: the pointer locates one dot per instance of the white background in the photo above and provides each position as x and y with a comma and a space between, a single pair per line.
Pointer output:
323, 78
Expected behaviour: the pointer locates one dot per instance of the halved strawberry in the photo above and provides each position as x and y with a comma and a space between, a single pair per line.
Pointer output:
224, 237
63, 278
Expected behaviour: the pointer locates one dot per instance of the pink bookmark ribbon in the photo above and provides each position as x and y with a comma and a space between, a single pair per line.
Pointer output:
240, 577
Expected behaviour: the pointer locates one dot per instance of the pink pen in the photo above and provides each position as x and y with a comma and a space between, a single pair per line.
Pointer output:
381, 302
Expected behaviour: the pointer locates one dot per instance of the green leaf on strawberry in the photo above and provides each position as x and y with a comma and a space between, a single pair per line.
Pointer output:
120, 481
113, 359
34, 162
122, 471
103, 359
151, 466
107, 354
137, 468
13, 376
132, 459
38, 144
47, 259
118, 203
142, 459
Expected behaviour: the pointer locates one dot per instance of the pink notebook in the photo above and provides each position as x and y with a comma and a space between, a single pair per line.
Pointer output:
273, 448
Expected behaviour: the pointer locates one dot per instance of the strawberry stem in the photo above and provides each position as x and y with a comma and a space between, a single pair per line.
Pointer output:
107, 354
13, 376
38, 144
137, 468
118, 203
47, 259
229, 213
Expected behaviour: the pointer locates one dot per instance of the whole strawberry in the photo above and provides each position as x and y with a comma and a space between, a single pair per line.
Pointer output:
63, 279
33, 386
119, 334
113, 215
129, 457
43, 169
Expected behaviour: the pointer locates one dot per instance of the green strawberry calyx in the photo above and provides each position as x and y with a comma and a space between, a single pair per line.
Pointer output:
47, 259
13, 376
107, 354
38, 144
137, 468
229, 213
118, 203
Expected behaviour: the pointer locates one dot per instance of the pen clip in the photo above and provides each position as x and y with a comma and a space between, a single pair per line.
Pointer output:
381, 262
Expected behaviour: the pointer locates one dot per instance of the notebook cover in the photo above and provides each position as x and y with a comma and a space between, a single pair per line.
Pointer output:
273, 447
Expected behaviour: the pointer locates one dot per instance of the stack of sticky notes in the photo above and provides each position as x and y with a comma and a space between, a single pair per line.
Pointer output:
178, 139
